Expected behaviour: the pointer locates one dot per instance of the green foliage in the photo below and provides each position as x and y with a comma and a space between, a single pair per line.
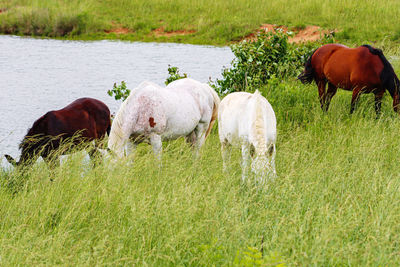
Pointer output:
253, 257
214, 254
257, 61
215, 22
174, 75
73, 24
43, 22
119, 91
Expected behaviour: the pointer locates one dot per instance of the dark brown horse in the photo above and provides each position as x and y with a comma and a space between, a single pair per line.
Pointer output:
85, 119
361, 70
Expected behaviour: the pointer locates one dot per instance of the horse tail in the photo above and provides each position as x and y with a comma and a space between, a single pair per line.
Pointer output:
258, 125
108, 129
215, 109
388, 76
307, 75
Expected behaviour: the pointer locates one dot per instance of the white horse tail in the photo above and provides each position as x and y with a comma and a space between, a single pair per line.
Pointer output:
215, 110
258, 125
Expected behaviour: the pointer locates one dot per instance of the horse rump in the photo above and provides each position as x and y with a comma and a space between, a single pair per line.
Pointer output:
307, 76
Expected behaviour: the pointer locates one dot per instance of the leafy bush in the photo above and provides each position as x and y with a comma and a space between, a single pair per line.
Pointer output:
43, 22
119, 91
70, 23
252, 257
270, 55
174, 75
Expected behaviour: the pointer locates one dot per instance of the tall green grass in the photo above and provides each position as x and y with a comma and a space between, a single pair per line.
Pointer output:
215, 22
336, 200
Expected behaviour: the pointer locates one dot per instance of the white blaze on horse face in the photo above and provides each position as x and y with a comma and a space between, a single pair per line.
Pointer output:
183, 108
248, 120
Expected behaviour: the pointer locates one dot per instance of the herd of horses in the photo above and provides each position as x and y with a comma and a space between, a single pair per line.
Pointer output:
188, 108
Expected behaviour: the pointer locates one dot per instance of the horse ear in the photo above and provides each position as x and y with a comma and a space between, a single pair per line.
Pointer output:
11, 160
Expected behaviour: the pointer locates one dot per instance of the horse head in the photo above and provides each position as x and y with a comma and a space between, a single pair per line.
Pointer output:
262, 162
26, 158
31, 148
11, 160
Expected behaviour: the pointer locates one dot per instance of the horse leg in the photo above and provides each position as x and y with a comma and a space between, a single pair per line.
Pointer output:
378, 102
354, 98
52, 161
200, 135
332, 89
155, 141
273, 161
245, 160
191, 138
226, 154
321, 91
95, 155
396, 102
395, 96
130, 147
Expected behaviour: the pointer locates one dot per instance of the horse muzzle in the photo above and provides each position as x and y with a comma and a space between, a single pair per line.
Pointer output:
11, 160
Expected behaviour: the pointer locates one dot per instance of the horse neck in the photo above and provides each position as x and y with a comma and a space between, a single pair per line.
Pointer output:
117, 135
34, 138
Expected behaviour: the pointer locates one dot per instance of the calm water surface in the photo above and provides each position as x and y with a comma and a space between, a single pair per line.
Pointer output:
38, 75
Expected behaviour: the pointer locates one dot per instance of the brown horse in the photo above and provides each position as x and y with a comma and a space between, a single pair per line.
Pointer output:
87, 118
361, 70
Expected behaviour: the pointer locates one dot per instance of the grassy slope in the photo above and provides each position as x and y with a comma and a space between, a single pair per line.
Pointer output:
336, 200
216, 22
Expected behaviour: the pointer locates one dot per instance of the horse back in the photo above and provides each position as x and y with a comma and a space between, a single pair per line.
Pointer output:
348, 67
237, 115
88, 115
321, 56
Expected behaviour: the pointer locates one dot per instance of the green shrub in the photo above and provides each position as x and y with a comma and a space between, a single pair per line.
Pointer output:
36, 22
174, 75
270, 55
73, 24
119, 91
43, 22
252, 257
27, 21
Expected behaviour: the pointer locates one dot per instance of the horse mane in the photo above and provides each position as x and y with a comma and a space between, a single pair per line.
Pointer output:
258, 125
215, 110
388, 76
116, 134
35, 136
307, 75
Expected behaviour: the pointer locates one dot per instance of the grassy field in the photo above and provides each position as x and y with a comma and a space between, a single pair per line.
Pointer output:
336, 200
214, 22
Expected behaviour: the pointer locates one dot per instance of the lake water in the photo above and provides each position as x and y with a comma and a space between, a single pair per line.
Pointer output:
39, 75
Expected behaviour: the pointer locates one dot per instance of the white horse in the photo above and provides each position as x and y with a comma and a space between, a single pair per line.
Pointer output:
153, 113
248, 120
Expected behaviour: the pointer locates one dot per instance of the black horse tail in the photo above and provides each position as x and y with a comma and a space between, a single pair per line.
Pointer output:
109, 129
388, 76
307, 76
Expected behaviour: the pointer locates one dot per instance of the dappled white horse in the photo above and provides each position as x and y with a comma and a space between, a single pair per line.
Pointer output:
248, 121
153, 113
